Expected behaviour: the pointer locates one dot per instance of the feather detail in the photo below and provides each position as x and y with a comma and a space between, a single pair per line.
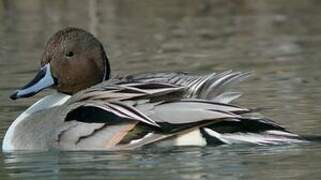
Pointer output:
168, 106
227, 97
219, 83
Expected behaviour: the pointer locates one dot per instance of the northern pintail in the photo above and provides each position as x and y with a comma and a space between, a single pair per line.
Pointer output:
92, 111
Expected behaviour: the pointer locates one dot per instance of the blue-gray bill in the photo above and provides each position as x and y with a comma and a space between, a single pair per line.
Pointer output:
42, 80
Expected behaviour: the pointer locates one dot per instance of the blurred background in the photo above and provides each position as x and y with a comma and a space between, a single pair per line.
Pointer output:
279, 41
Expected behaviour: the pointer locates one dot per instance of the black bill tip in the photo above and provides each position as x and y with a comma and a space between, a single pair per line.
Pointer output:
14, 96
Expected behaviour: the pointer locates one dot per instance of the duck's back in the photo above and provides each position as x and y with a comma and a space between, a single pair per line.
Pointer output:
209, 86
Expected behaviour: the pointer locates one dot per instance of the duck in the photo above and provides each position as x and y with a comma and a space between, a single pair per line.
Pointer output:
92, 110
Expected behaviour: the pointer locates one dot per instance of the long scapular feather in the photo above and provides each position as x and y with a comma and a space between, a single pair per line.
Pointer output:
227, 97
206, 105
217, 84
191, 112
132, 112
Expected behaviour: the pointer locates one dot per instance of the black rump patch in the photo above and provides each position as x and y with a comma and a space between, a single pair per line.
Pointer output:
245, 125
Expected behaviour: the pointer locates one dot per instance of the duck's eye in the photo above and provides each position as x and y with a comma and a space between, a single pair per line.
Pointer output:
69, 54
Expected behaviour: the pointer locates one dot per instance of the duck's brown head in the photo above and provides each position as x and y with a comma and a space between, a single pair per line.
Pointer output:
73, 60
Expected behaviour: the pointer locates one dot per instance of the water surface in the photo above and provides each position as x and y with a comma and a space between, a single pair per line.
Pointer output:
279, 41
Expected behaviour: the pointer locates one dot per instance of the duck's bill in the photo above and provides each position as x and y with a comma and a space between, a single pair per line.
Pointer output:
42, 80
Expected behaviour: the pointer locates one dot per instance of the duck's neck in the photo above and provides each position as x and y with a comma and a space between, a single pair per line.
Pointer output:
106, 65
49, 101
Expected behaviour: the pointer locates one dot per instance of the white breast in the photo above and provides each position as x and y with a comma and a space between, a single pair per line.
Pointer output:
44, 103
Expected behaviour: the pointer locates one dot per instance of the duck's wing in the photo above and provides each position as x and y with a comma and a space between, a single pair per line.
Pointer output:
131, 113
134, 114
209, 86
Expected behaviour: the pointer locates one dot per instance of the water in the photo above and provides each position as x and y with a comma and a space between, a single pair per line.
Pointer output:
182, 163
278, 41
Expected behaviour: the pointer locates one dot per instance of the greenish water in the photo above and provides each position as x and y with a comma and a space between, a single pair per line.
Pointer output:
279, 41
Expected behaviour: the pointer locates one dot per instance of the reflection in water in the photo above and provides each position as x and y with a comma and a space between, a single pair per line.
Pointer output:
278, 40
183, 163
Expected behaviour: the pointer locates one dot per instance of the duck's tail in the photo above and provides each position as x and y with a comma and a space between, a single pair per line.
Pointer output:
312, 138
264, 138
251, 131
